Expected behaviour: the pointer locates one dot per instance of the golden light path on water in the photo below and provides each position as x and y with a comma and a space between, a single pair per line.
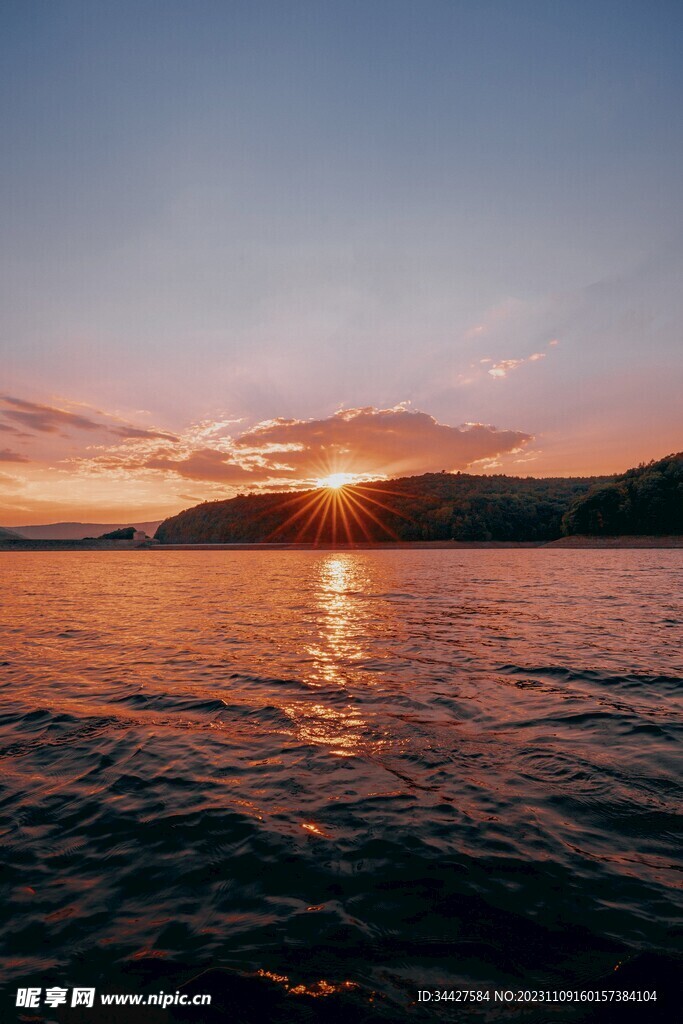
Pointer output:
333, 655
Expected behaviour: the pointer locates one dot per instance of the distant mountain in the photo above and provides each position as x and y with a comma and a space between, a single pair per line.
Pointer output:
77, 531
647, 500
6, 534
436, 506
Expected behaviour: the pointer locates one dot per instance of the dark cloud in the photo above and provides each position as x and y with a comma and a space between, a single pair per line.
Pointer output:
7, 429
45, 418
48, 420
7, 456
138, 433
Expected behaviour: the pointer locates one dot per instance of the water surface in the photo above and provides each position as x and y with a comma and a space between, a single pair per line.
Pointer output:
383, 771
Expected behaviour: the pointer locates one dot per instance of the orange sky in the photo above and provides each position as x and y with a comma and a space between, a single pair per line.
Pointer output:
65, 461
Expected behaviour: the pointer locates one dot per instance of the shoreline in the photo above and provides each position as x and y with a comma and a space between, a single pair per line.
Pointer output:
563, 543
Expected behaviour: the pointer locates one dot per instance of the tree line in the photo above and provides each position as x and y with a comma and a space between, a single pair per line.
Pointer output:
646, 500
445, 506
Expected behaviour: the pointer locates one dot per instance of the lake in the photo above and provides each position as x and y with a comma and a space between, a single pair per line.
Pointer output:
334, 779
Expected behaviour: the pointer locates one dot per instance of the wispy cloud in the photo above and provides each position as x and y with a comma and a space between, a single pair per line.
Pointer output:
7, 428
141, 433
506, 366
44, 418
50, 419
7, 456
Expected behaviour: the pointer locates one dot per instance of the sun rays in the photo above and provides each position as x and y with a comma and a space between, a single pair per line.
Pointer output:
338, 512
337, 480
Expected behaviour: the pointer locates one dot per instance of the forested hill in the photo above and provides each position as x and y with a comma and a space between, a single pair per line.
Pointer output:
645, 500
436, 506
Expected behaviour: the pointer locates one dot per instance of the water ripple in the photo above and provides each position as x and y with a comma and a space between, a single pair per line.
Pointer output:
335, 778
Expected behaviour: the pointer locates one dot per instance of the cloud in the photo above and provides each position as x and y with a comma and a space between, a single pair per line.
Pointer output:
281, 453
206, 464
44, 418
387, 441
506, 366
7, 456
48, 419
138, 433
8, 429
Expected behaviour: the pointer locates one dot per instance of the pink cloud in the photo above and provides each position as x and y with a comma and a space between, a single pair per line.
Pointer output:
384, 441
206, 464
284, 453
44, 418
48, 419
506, 366
139, 433
7, 456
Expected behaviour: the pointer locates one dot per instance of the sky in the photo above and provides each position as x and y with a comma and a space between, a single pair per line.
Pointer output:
251, 244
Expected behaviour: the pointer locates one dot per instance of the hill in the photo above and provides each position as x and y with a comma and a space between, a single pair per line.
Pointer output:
647, 500
78, 531
6, 534
436, 506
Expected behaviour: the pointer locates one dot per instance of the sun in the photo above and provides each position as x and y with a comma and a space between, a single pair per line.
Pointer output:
343, 509
336, 480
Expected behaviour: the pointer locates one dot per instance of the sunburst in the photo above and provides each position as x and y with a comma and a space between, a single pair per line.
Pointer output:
337, 480
338, 512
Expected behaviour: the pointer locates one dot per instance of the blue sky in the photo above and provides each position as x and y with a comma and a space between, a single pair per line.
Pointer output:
218, 212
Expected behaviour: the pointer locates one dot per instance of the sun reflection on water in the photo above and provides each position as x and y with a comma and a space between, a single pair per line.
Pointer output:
315, 989
335, 654
340, 617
